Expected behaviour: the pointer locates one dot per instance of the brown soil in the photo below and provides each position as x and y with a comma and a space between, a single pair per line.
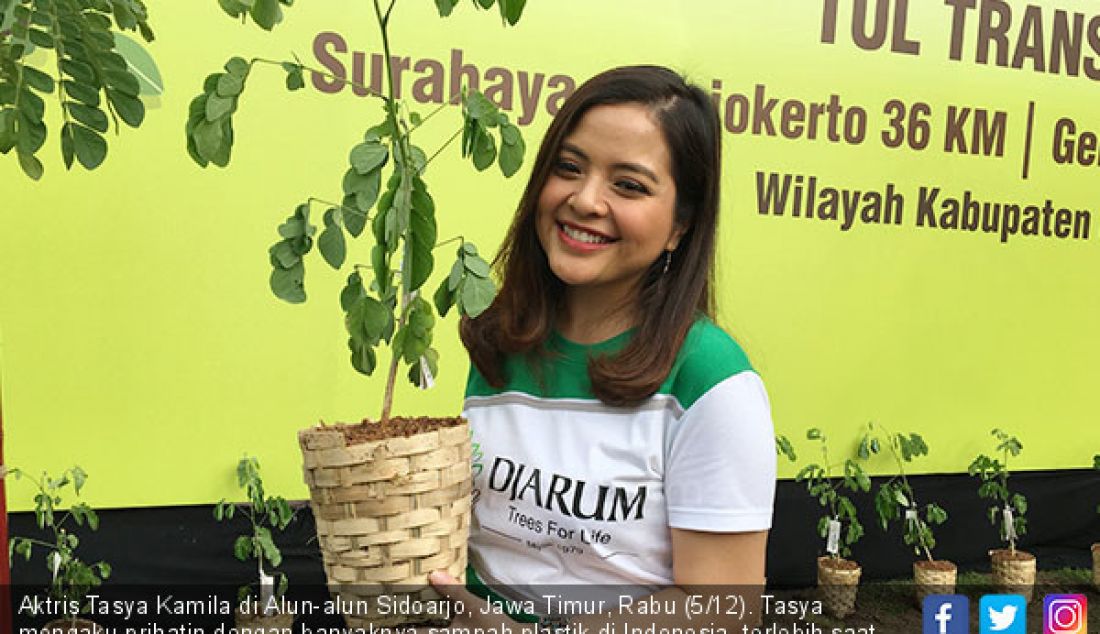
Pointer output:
939, 565
837, 564
368, 430
65, 626
1008, 555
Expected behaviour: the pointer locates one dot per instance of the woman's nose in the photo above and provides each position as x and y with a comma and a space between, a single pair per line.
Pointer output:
588, 197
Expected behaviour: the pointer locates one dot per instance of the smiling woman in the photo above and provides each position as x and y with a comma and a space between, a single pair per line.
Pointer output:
625, 441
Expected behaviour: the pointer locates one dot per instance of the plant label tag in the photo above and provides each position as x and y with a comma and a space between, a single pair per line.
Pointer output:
267, 589
911, 515
55, 564
427, 381
1010, 526
832, 543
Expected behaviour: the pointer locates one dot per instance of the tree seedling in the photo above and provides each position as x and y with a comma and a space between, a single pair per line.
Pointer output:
265, 513
71, 578
1009, 508
895, 498
827, 489
383, 188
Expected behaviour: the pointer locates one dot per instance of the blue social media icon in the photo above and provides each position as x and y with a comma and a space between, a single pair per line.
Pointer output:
946, 614
1002, 614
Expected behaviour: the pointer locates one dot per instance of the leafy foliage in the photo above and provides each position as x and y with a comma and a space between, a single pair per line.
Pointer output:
993, 474
265, 513
92, 80
383, 186
72, 579
895, 498
827, 489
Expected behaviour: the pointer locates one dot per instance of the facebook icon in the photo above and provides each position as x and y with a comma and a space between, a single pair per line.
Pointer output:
946, 614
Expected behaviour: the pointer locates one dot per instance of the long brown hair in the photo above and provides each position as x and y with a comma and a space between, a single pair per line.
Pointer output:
524, 312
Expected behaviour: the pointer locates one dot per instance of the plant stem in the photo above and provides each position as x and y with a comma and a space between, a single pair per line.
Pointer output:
441, 148
343, 80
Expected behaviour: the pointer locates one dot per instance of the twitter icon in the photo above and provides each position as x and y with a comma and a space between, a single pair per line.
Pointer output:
1002, 614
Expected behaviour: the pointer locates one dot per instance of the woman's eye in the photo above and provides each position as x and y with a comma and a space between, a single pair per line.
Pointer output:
633, 186
570, 167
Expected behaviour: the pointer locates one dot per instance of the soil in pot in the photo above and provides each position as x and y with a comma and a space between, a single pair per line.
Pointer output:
68, 626
934, 577
1013, 572
837, 585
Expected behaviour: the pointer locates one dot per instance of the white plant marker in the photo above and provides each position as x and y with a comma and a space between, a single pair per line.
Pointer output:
55, 564
427, 381
832, 543
267, 591
911, 515
1010, 526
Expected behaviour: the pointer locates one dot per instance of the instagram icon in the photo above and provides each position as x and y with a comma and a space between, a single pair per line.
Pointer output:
1064, 614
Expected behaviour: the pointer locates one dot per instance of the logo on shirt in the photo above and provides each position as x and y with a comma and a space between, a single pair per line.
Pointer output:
570, 497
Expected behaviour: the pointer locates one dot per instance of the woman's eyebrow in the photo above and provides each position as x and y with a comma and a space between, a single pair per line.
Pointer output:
630, 167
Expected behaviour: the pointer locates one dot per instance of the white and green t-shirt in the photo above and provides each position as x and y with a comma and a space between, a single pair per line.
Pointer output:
568, 490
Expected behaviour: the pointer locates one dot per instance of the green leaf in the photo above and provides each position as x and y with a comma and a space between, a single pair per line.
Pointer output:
92, 117
230, 85
218, 106
141, 65
266, 13
209, 138
331, 242
511, 10
511, 156
30, 165
354, 219
367, 320
369, 156
289, 284
422, 236
37, 79
365, 188
237, 66
362, 357
445, 7
477, 294
242, 548
90, 147
476, 266
295, 78
484, 150
444, 298
353, 290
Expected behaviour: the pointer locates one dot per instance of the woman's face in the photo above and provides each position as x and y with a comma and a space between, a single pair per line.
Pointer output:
606, 212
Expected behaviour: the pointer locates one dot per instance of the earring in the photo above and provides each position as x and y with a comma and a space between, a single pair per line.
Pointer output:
668, 262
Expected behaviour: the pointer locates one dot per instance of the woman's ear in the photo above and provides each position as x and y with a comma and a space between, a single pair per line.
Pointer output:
678, 231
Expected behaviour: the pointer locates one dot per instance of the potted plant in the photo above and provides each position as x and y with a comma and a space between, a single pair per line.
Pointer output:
1013, 570
259, 603
391, 497
896, 500
839, 526
71, 578
95, 85
1096, 546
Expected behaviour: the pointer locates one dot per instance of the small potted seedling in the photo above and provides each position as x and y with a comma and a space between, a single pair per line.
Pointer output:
1096, 546
391, 496
258, 603
896, 500
71, 578
1013, 570
837, 576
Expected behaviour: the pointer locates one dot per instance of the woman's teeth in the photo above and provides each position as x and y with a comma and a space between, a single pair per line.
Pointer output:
583, 236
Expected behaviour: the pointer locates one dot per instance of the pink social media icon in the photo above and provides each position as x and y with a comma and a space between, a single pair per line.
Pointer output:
1065, 614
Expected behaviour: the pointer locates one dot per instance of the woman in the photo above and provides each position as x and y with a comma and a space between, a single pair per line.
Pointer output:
623, 437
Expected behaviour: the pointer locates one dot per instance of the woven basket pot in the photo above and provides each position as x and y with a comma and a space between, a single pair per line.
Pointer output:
837, 584
1013, 573
388, 513
933, 577
1096, 565
260, 624
67, 626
